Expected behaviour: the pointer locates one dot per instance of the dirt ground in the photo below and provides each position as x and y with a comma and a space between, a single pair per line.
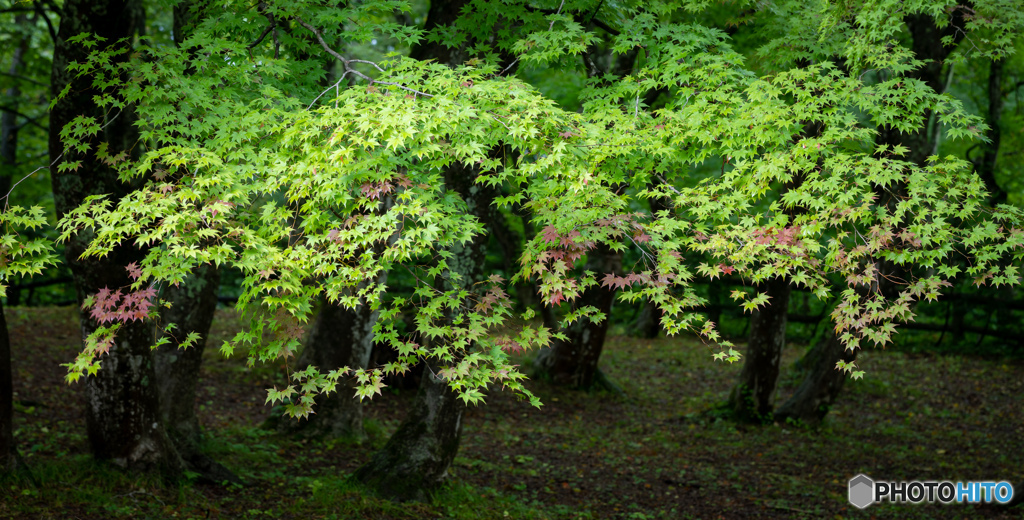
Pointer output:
648, 454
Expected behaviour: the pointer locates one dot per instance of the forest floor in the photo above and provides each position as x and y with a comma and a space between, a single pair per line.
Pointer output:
649, 454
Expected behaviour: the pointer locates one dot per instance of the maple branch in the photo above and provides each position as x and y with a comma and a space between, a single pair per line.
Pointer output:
28, 120
23, 78
348, 68
262, 8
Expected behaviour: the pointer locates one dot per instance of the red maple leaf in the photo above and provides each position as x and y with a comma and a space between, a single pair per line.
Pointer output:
550, 234
556, 298
133, 270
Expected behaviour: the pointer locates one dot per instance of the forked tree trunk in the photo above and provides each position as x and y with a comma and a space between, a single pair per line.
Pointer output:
751, 398
574, 362
821, 384
122, 412
339, 337
178, 369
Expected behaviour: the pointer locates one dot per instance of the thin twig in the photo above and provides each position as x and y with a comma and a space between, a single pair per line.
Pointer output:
6, 198
558, 12
348, 68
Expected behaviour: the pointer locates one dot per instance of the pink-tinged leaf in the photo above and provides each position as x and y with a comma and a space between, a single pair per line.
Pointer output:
550, 234
727, 269
556, 298
134, 272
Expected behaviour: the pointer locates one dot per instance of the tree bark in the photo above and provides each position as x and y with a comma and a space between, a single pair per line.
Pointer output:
339, 337
178, 369
416, 459
8, 459
986, 167
122, 412
822, 384
8, 162
574, 363
752, 398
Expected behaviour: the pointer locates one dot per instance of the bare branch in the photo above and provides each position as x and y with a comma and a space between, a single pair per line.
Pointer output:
348, 67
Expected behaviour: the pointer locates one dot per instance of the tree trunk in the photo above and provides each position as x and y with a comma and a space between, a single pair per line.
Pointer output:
8, 459
177, 370
820, 387
416, 458
339, 337
8, 164
122, 411
986, 167
122, 416
751, 398
574, 362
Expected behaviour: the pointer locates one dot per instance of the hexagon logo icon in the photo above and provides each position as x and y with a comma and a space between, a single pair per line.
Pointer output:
862, 491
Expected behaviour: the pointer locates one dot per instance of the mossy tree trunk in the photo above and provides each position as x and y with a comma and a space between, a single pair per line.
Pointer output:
339, 337
122, 413
574, 363
821, 384
416, 459
751, 398
178, 369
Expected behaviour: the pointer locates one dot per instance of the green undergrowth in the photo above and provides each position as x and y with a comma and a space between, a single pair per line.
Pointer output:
279, 485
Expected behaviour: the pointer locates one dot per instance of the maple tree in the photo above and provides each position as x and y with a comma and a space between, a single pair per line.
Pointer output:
246, 160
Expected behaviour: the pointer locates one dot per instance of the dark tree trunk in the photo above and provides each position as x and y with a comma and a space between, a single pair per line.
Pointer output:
986, 167
751, 398
122, 416
822, 383
574, 362
417, 457
8, 459
339, 337
193, 303
8, 163
9, 119
177, 369
122, 412
928, 47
